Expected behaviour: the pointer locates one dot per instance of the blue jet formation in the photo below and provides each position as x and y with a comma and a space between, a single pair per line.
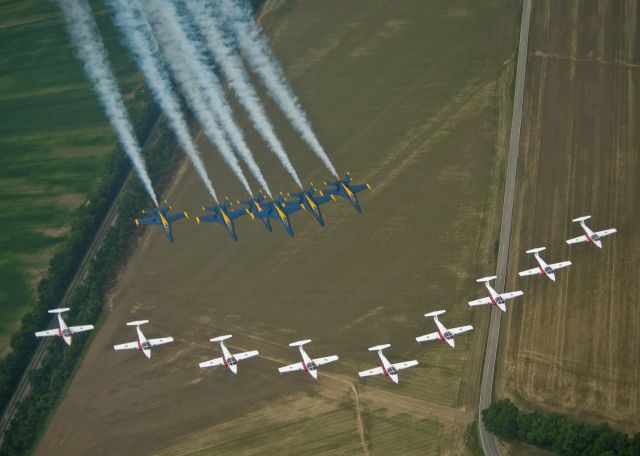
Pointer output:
262, 208
160, 216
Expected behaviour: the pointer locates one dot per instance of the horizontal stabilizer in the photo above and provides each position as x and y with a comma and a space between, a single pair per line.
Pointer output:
435, 313
536, 250
581, 219
299, 343
486, 279
137, 322
57, 311
379, 347
221, 338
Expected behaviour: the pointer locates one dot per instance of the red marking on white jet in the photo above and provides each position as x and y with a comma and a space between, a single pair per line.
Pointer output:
590, 236
227, 359
143, 344
444, 334
543, 268
387, 369
307, 364
494, 298
63, 331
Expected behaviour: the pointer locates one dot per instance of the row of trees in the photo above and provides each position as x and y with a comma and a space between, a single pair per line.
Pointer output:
58, 364
557, 433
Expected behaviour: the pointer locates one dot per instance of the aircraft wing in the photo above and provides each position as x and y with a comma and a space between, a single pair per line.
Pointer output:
236, 213
604, 233
47, 333
405, 365
562, 264
160, 341
290, 208
212, 363
428, 337
127, 346
461, 329
529, 272
358, 188
370, 372
325, 360
175, 217
77, 329
245, 355
209, 218
291, 367
479, 302
575, 240
149, 221
511, 295
321, 199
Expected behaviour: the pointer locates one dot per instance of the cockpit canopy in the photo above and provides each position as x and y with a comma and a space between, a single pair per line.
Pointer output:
392, 370
146, 345
311, 366
548, 270
231, 361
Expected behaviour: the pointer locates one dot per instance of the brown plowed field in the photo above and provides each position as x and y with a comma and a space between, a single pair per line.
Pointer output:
574, 346
411, 96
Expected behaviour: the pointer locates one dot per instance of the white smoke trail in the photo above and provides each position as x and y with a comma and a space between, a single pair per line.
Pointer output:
177, 44
90, 48
140, 39
255, 48
203, 16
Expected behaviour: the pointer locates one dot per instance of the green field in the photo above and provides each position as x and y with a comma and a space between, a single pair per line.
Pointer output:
54, 139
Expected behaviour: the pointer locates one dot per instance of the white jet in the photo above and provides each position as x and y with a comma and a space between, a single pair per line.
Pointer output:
307, 364
387, 369
494, 298
227, 359
444, 334
142, 343
590, 236
543, 268
63, 330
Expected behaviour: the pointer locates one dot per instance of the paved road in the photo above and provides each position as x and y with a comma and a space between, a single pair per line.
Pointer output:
24, 386
489, 441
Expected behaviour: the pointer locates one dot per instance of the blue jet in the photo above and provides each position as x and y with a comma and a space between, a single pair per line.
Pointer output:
223, 215
265, 210
161, 217
345, 189
309, 202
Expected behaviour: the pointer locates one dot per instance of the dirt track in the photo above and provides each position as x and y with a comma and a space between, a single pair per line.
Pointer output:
574, 346
412, 99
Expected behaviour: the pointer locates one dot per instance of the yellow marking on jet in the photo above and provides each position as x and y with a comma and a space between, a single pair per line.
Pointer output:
226, 219
253, 217
311, 203
281, 214
186, 215
369, 187
258, 206
346, 189
198, 220
165, 224
137, 222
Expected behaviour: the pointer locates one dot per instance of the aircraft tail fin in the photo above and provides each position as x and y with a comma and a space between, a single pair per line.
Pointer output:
299, 343
435, 313
379, 347
220, 338
57, 311
536, 250
581, 219
137, 322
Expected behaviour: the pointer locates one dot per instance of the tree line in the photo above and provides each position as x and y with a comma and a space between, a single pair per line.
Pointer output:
557, 433
86, 304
